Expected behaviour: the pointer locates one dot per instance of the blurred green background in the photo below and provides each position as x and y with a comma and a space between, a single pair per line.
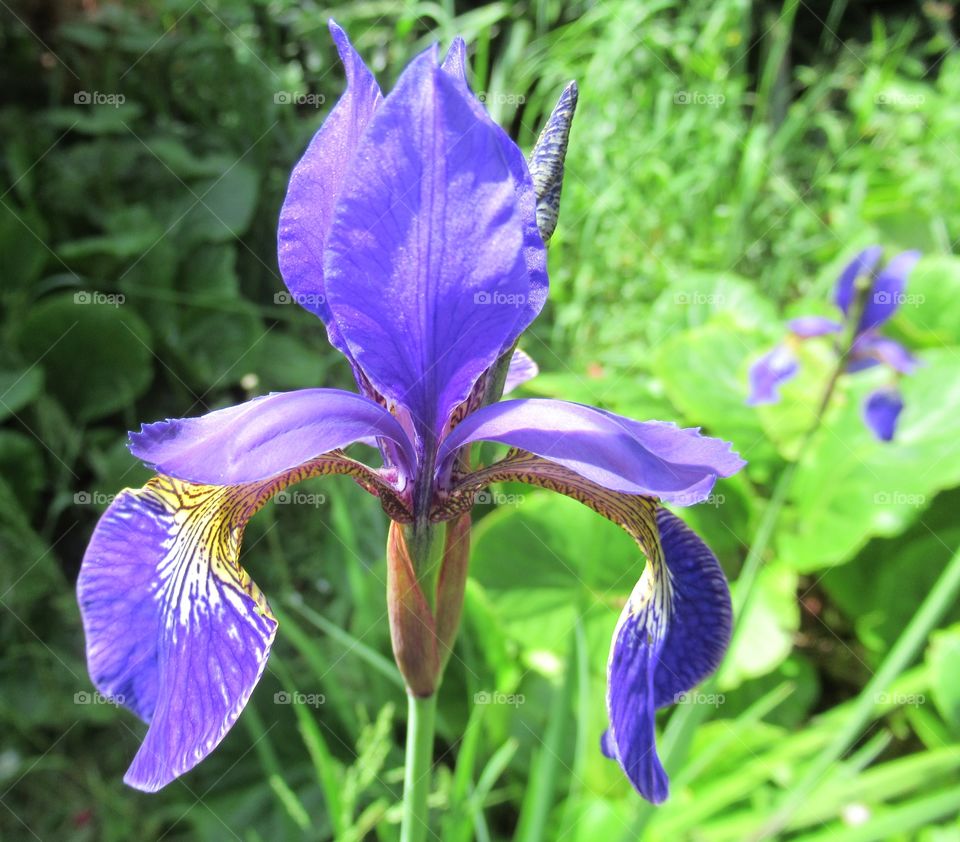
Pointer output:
726, 158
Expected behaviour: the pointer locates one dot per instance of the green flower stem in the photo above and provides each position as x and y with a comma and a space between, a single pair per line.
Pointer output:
417, 771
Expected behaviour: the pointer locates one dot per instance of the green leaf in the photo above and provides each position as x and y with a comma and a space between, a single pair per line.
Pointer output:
943, 656
96, 355
767, 628
221, 208
18, 389
704, 373
572, 559
23, 249
930, 313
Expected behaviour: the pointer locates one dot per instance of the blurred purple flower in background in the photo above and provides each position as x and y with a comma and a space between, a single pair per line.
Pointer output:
866, 298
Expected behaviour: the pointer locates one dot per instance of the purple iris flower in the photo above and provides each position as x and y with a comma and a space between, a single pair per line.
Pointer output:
414, 229
866, 299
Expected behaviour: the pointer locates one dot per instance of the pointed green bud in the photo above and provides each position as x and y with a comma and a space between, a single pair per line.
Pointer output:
546, 161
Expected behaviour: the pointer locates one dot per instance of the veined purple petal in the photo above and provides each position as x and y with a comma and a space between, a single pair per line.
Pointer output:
651, 458
315, 184
807, 327
886, 295
522, 368
769, 372
881, 410
455, 61
265, 436
672, 634
455, 65
176, 630
425, 267
846, 288
701, 615
869, 349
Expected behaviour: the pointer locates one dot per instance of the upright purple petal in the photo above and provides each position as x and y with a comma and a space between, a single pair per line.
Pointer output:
265, 436
881, 410
522, 368
176, 630
316, 182
672, 634
455, 61
806, 327
887, 292
528, 200
769, 372
425, 267
846, 290
652, 458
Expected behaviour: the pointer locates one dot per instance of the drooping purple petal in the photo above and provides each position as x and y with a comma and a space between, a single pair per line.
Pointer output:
522, 368
845, 291
652, 458
881, 410
701, 616
265, 436
887, 293
807, 327
672, 634
632, 739
769, 372
425, 268
869, 349
176, 630
316, 182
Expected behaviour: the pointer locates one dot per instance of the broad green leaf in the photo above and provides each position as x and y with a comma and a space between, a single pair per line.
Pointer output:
573, 561
765, 637
96, 354
221, 208
18, 388
704, 373
930, 313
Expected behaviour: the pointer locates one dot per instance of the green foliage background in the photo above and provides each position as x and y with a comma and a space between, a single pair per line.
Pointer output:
726, 159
